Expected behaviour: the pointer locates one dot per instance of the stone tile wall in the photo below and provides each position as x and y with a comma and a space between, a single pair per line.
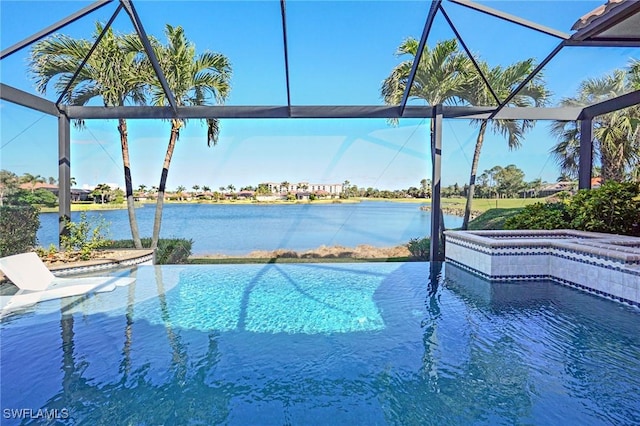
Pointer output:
604, 264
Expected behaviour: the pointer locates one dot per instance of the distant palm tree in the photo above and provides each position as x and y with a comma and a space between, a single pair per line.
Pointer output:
503, 81
345, 188
112, 72
205, 188
616, 136
194, 80
231, 188
101, 190
142, 188
196, 188
32, 180
179, 191
284, 185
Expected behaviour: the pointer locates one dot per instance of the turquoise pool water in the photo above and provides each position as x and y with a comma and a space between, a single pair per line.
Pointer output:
367, 344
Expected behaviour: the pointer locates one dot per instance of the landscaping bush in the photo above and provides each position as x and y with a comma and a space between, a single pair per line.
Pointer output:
612, 208
539, 216
170, 251
419, 248
18, 227
85, 236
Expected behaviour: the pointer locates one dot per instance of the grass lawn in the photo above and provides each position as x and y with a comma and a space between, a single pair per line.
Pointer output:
492, 219
484, 204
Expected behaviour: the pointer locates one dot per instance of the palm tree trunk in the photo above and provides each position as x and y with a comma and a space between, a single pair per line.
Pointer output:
133, 223
157, 223
474, 171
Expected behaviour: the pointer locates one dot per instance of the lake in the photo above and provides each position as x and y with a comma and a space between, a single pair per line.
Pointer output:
237, 229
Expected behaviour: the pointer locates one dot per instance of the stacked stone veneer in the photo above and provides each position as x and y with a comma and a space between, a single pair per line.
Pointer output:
604, 264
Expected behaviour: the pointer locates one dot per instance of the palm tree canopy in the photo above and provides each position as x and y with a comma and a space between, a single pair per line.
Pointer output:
503, 81
194, 79
440, 77
113, 71
616, 136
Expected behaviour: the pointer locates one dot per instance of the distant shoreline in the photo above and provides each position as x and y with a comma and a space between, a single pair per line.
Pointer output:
99, 207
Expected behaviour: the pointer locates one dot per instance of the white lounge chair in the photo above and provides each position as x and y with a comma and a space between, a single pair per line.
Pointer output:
36, 283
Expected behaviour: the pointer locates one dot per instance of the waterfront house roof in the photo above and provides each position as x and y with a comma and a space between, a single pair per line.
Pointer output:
616, 19
39, 185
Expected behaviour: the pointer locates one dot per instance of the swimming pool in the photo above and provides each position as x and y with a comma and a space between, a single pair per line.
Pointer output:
365, 343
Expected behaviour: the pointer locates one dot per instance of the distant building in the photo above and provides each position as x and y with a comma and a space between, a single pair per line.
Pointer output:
331, 189
555, 188
40, 185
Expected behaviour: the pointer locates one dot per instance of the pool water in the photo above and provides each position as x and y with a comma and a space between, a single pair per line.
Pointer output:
365, 343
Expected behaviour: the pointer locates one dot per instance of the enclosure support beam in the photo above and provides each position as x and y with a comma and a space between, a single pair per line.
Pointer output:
435, 4
610, 105
137, 24
283, 13
586, 154
316, 111
436, 172
64, 173
512, 18
20, 97
53, 28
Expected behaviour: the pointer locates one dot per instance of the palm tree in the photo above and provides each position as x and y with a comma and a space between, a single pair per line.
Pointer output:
101, 190
32, 180
503, 81
205, 188
441, 77
196, 188
616, 136
194, 80
112, 72
231, 188
425, 188
179, 191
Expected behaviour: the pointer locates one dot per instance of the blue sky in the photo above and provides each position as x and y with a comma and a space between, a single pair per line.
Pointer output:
339, 54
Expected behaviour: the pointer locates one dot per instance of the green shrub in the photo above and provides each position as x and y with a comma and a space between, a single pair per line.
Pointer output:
612, 208
40, 197
85, 236
170, 251
419, 248
18, 227
539, 216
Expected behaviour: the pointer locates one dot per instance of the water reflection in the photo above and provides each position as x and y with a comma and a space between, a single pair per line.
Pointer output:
450, 352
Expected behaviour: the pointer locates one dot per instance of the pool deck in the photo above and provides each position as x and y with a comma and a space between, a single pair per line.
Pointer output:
603, 264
